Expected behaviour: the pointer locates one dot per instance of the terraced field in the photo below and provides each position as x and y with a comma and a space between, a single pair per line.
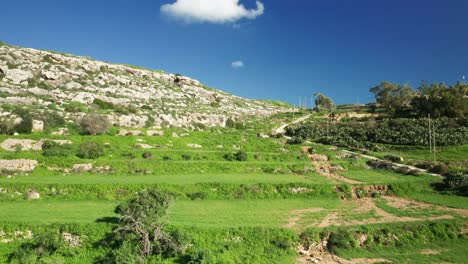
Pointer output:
263, 209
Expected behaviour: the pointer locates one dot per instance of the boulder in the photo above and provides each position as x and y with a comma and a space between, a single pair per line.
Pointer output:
37, 125
18, 165
33, 195
154, 133
18, 76
194, 146
82, 167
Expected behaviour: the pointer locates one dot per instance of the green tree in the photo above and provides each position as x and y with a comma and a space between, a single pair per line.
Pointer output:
323, 102
393, 97
94, 124
142, 223
440, 100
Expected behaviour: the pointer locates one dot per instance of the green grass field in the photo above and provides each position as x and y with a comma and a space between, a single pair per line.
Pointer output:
275, 193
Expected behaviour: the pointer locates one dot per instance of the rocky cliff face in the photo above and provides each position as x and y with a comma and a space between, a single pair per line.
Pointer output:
130, 96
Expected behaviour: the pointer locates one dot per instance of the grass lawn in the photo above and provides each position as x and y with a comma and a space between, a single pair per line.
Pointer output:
46, 212
208, 213
267, 213
89, 178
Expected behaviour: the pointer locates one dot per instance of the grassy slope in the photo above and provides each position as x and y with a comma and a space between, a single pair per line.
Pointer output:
208, 166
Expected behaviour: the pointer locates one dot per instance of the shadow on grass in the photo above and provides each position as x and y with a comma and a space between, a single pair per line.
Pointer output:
108, 220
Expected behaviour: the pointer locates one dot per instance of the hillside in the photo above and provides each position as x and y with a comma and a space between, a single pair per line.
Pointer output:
129, 95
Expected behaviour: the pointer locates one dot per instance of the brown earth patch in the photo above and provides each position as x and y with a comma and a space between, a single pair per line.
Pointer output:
404, 203
429, 251
366, 205
297, 214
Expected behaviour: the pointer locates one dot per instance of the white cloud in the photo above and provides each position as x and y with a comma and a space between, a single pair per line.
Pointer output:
237, 64
212, 11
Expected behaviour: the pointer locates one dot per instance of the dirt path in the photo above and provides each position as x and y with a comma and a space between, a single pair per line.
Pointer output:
281, 129
324, 168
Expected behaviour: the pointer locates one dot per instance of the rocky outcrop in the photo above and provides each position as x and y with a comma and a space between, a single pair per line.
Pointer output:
23, 165
12, 144
135, 97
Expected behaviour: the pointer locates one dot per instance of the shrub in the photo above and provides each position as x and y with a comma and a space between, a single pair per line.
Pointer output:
93, 124
75, 107
186, 157
103, 104
341, 240
6, 127
25, 126
439, 169
40, 250
91, 150
54, 149
129, 155
295, 140
198, 256
147, 155
240, 155
228, 156
457, 181
52, 120
393, 158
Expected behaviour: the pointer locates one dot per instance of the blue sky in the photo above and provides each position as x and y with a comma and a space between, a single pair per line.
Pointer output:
287, 48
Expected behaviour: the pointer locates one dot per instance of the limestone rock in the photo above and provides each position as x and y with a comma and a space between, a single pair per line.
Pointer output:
18, 76
33, 195
124, 132
154, 133
18, 165
37, 125
82, 167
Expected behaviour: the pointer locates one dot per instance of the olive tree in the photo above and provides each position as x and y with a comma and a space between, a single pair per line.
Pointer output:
142, 223
94, 124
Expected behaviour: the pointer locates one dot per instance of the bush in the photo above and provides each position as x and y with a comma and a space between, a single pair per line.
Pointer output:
457, 181
186, 157
54, 149
93, 124
147, 155
25, 126
295, 140
240, 155
341, 240
75, 107
52, 120
91, 150
40, 250
439, 169
228, 156
6, 127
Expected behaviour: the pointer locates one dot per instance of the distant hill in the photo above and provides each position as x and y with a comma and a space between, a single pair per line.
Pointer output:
130, 96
